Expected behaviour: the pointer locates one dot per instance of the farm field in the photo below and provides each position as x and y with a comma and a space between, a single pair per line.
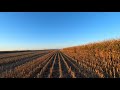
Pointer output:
38, 64
96, 60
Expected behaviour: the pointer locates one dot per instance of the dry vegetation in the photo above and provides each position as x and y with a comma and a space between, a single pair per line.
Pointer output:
41, 64
94, 60
100, 60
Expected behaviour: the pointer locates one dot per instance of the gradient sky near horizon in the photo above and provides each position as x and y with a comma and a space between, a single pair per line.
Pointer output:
51, 30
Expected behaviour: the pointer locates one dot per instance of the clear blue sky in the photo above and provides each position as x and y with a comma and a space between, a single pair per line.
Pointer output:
46, 30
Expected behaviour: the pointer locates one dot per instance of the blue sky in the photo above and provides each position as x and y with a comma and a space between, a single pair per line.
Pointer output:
47, 30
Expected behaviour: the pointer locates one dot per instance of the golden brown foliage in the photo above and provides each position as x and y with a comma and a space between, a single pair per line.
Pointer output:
101, 59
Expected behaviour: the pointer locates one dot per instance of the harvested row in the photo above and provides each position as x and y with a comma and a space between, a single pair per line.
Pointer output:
20, 57
55, 69
88, 72
20, 53
78, 70
24, 70
52, 65
74, 70
40, 69
64, 69
9, 55
12, 65
46, 70
60, 67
